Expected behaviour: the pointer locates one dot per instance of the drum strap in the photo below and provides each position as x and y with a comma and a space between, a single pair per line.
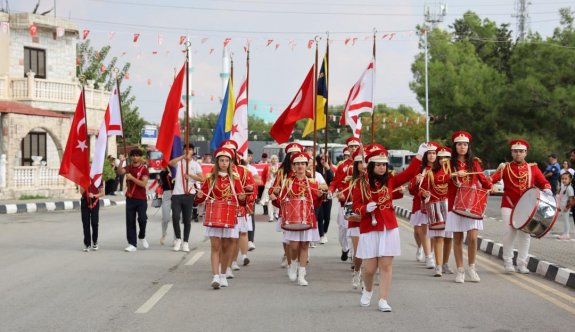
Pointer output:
231, 187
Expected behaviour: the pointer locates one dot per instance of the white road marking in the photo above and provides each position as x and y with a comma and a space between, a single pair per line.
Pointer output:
154, 299
194, 258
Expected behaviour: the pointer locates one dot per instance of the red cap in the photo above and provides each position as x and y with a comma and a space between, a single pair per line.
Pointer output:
433, 146
293, 147
299, 157
373, 147
519, 144
358, 155
224, 152
444, 151
377, 156
461, 136
352, 141
229, 144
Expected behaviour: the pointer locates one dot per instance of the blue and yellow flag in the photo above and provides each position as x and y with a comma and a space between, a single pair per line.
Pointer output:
321, 101
223, 128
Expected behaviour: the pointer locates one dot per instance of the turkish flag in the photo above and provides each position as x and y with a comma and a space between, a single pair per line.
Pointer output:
136, 37
301, 107
75, 161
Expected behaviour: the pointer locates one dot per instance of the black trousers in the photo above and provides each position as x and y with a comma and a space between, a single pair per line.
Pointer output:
90, 217
136, 207
322, 215
251, 234
182, 204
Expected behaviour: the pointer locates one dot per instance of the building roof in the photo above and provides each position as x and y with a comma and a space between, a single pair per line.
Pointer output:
21, 108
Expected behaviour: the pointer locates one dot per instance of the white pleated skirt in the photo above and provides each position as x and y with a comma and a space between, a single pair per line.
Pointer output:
379, 244
418, 218
354, 231
433, 233
245, 224
311, 235
457, 223
227, 233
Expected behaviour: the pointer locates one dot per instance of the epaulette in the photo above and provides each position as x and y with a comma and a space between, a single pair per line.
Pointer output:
236, 175
312, 180
532, 164
348, 178
478, 160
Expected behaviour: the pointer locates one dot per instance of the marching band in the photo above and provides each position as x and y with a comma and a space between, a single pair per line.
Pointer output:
449, 192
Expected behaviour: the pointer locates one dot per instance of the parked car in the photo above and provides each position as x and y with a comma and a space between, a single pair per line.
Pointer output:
497, 186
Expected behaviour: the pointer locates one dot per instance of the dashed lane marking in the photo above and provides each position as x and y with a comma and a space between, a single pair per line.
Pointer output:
154, 299
194, 258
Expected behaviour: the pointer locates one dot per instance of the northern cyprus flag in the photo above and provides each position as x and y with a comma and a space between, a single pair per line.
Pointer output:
240, 121
111, 126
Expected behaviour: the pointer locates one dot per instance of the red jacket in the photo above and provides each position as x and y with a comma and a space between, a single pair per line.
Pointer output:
517, 179
306, 188
479, 180
382, 195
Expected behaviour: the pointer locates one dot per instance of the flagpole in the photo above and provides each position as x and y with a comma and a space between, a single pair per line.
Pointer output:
116, 70
187, 115
315, 105
248, 86
326, 73
88, 200
373, 92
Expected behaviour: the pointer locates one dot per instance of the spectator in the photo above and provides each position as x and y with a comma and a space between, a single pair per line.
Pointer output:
207, 158
565, 203
552, 172
264, 159
109, 176
565, 168
119, 178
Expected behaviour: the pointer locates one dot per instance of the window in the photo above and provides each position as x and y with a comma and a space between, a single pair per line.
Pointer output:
35, 60
34, 144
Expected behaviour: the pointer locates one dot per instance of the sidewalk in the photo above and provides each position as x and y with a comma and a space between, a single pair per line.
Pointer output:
551, 258
47, 204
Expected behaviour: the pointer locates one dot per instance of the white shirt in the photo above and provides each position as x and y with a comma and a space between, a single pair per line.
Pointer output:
252, 170
319, 178
193, 168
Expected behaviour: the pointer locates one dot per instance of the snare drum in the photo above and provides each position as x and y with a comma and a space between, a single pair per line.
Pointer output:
470, 202
535, 213
437, 215
349, 214
220, 214
297, 214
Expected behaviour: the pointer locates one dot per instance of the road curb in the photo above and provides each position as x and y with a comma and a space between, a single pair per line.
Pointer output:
548, 270
51, 206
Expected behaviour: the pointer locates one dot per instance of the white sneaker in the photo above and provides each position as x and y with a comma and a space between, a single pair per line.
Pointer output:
251, 246
284, 262
460, 275
509, 268
473, 276
312, 245
235, 266
216, 282
522, 269
438, 271
446, 269
130, 248
323, 240
95, 247
229, 274
185, 247
356, 280
430, 262
162, 240
419, 255
365, 300
86, 248
301, 277
292, 271
223, 280
177, 244
245, 260
144, 243
383, 306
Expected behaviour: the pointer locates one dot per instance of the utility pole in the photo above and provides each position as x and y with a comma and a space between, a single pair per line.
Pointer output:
522, 15
434, 14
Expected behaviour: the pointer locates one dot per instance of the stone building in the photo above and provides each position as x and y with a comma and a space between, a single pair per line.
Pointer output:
38, 95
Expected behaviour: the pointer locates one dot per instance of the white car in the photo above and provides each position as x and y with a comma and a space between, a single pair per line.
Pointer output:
497, 186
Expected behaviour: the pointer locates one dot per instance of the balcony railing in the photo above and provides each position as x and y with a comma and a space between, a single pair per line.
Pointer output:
37, 177
31, 89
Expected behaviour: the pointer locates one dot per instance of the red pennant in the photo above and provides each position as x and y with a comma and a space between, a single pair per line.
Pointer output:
346, 41
102, 68
269, 42
33, 30
353, 41
136, 37
182, 39
85, 34
127, 76
204, 40
385, 35
211, 50
392, 35
149, 82
277, 46
212, 98
310, 43
227, 41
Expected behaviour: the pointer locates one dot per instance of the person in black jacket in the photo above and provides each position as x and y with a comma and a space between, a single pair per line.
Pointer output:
323, 212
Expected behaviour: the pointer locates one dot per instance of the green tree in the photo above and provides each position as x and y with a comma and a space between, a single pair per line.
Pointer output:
92, 65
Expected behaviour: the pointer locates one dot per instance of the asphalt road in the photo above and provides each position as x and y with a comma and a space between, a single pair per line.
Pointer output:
48, 284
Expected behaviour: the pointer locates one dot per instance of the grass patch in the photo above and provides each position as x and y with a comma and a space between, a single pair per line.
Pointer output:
25, 197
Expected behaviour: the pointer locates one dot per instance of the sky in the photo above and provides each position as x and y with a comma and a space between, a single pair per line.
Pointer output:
276, 70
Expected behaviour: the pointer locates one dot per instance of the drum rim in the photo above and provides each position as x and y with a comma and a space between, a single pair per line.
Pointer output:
538, 191
531, 214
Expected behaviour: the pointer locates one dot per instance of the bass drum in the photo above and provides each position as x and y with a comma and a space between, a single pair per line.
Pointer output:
535, 213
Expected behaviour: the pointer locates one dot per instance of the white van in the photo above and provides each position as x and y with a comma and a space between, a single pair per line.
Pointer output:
400, 159
335, 150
